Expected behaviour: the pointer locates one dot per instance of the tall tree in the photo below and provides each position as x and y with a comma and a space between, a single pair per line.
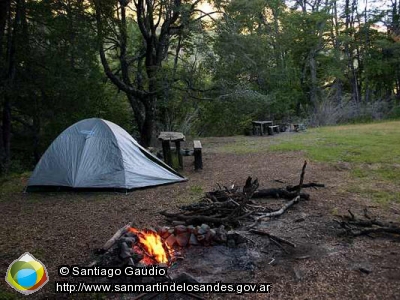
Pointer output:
139, 74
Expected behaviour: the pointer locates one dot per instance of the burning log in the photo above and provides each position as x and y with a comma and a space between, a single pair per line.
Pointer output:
115, 237
131, 246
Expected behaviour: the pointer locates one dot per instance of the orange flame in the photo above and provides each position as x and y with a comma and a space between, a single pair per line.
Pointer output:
156, 250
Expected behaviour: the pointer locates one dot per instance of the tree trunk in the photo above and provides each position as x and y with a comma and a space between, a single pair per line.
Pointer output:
6, 136
157, 22
9, 84
335, 34
4, 10
147, 130
314, 84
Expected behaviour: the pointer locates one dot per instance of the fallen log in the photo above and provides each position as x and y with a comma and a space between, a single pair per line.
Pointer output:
292, 188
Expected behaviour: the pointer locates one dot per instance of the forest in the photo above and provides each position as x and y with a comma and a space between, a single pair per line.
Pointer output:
204, 68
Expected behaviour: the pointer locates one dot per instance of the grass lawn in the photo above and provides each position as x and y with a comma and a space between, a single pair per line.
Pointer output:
370, 151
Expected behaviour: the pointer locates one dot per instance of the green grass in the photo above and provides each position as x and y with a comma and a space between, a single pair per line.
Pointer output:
366, 143
372, 151
12, 184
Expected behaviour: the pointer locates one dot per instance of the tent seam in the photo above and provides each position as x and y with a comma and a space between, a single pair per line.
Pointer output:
119, 150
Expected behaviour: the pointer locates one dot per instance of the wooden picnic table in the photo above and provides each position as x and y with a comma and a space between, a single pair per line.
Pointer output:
261, 125
166, 137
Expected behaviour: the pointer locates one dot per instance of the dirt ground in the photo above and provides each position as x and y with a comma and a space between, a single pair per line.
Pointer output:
65, 228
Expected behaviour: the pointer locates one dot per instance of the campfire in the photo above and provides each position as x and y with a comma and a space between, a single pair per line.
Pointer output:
213, 221
233, 224
136, 247
152, 247
163, 246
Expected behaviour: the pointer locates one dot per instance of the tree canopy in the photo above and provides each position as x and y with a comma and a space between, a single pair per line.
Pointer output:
200, 67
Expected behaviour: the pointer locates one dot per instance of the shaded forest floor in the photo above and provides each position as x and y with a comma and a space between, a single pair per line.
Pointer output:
359, 165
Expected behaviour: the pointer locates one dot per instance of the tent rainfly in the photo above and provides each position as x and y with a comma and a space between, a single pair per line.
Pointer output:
96, 153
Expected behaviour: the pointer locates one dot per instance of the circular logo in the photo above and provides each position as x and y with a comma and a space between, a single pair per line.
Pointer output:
27, 274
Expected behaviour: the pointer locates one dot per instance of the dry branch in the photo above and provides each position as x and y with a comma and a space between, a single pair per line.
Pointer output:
275, 213
303, 172
271, 236
227, 206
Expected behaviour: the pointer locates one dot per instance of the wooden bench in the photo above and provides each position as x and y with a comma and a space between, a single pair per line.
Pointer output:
198, 160
273, 129
258, 127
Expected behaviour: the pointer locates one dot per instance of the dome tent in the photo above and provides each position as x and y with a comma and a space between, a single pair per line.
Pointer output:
95, 153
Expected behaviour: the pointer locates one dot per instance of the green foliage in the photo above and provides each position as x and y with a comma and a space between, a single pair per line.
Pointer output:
257, 60
58, 80
231, 113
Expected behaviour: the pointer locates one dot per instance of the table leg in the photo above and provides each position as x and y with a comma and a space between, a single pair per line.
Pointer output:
167, 153
178, 151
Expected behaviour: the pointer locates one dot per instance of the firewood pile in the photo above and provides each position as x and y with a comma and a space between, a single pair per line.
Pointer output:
204, 235
207, 222
211, 221
233, 206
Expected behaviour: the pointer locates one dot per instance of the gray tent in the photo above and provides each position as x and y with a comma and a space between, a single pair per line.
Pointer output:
96, 153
